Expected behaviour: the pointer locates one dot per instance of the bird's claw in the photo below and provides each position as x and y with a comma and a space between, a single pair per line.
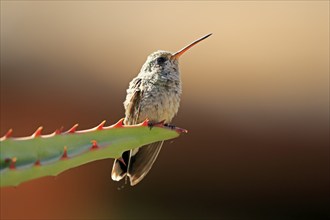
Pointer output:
162, 124
152, 124
170, 126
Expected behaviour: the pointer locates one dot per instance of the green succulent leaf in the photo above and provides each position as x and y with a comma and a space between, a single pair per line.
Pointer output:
32, 157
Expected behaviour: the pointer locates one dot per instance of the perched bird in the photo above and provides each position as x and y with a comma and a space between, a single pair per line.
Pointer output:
154, 94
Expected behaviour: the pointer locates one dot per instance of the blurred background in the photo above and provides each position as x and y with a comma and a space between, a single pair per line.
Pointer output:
255, 101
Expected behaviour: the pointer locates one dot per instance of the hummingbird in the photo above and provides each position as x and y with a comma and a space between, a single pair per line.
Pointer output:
154, 94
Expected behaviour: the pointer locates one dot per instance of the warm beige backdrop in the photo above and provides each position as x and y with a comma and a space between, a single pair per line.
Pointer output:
255, 101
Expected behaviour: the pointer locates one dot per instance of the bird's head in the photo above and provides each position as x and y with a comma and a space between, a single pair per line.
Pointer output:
164, 62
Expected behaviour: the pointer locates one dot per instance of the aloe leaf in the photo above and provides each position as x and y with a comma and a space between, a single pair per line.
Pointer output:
36, 156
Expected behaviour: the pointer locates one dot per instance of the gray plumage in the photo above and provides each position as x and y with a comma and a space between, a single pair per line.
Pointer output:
153, 94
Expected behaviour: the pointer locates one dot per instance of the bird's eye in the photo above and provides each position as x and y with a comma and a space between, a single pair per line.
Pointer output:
160, 60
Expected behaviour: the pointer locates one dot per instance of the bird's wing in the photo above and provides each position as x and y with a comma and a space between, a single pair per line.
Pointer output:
135, 163
133, 108
142, 161
119, 169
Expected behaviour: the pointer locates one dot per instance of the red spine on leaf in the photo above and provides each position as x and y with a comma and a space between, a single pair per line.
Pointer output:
9, 133
37, 133
12, 164
65, 153
119, 124
59, 131
37, 163
73, 129
145, 123
101, 125
94, 145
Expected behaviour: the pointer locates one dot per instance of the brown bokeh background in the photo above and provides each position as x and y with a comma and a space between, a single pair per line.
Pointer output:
255, 102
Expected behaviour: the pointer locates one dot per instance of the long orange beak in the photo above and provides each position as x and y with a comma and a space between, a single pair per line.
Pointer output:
183, 50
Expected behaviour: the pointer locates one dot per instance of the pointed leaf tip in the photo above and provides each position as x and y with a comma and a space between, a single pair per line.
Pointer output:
181, 130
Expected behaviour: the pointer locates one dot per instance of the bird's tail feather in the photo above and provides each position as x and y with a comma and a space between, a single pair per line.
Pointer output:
139, 161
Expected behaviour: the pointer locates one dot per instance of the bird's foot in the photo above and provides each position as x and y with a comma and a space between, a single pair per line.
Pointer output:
170, 126
162, 124
152, 124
